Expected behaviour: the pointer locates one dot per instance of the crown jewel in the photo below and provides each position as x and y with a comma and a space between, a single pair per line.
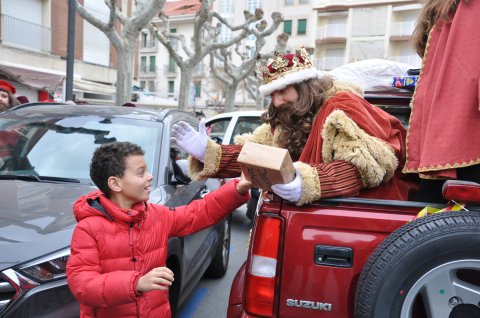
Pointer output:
285, 64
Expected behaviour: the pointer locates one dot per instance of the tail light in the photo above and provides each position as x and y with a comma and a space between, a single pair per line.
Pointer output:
463, 191
263, 265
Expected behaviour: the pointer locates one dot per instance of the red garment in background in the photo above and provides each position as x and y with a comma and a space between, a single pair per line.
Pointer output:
444, 129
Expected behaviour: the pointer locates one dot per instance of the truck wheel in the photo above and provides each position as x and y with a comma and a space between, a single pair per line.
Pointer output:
429, 267
218, 266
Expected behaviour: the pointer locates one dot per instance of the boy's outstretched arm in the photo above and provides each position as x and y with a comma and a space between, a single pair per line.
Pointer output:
202, 213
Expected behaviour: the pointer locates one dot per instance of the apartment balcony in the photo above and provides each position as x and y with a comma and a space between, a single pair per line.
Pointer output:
332, 33
401, 31
413, 60
330, 62
170, 70
26, 35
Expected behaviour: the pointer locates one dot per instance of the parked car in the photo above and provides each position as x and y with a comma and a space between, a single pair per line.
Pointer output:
365, 258
45, 152
223, 128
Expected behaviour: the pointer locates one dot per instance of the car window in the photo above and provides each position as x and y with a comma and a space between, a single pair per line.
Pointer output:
63, 147
245, 125
216, 129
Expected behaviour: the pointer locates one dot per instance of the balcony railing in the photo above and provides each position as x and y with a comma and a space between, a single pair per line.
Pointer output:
170, 69
332, 31
402, 28
413, 60
330, 62
24, 34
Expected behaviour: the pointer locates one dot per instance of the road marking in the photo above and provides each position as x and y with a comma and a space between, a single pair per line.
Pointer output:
194, 301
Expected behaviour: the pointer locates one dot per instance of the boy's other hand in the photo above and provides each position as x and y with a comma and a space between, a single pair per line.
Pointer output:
158, 278
243, 185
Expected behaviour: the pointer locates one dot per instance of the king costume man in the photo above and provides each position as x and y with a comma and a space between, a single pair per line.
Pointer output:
353, 148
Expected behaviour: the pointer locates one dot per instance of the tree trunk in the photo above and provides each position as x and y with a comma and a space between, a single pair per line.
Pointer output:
124, 75
185, 80
230, 98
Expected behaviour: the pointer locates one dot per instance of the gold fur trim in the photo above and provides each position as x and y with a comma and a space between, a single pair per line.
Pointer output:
198, 170
344, 140
341, 87
311, 190
261, 135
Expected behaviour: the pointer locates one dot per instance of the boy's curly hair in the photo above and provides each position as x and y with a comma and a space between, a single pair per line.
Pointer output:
109, 160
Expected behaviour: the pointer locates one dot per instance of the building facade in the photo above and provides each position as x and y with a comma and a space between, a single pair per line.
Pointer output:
33, 51
348, 31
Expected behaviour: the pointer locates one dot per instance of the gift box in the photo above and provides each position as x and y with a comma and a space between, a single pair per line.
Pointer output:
265, 165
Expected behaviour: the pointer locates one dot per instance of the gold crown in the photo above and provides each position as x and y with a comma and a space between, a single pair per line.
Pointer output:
285, 64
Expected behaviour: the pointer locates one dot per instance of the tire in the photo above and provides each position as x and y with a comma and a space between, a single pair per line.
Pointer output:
174, 290
219, 265
426, 268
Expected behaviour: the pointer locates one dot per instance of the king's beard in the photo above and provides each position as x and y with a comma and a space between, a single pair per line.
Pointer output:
294, 133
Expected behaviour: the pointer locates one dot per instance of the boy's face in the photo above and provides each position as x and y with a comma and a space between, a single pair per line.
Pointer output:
134, 186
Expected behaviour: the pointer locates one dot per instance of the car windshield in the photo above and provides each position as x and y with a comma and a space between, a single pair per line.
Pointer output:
60, 148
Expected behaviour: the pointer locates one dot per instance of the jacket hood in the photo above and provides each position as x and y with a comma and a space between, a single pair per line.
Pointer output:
97, 204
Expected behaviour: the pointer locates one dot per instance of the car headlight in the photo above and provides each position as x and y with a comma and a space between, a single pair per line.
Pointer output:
49, 267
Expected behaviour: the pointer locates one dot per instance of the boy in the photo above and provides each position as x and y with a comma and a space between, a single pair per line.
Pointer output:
119, 246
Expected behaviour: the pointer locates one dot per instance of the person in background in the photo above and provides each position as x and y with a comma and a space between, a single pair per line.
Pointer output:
442, 140
23, 99
342, 145
117, 266
7, 100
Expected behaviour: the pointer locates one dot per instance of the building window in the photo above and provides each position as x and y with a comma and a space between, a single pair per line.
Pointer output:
152, 67
227, 6
171, 64
143, 64
198, 89
142, 84
287, 27
151, 86
171, 87
173, 30
302, 1
253, 4
288, 2
144, 40
302, 27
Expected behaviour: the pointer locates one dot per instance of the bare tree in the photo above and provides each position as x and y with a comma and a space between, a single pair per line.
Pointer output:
124, 38
203, 41
233, 74
252, 81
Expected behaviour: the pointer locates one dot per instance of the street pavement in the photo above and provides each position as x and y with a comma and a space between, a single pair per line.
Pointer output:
210, 297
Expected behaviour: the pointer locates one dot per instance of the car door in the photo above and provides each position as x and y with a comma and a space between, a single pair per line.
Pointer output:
197, 246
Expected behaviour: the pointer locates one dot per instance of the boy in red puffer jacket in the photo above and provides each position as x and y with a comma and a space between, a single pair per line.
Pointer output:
119, 246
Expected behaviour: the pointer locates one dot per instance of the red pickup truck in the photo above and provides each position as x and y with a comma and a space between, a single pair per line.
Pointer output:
353, 257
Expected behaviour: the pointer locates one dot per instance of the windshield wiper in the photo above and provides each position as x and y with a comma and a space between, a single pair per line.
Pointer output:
31, 177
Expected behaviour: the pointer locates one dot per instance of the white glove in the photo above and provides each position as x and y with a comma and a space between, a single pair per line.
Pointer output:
290, 191
192, 142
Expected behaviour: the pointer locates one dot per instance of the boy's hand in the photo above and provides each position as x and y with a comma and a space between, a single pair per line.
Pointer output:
243, 185
158, 278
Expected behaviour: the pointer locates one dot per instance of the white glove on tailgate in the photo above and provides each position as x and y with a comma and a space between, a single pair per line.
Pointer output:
290, 191
192, 142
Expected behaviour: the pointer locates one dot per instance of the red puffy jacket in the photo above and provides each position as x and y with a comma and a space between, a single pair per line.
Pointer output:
112, 248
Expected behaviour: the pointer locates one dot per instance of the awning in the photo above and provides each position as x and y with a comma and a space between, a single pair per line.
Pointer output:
93, 87
34, 77
40, 78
